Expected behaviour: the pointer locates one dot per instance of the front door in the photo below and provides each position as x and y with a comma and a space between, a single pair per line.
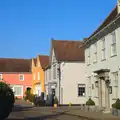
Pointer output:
104, 100
38, 89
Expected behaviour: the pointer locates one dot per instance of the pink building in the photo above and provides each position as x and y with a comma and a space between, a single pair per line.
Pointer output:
17, 73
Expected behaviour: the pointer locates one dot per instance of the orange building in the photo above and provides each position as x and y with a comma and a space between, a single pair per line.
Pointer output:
38, 65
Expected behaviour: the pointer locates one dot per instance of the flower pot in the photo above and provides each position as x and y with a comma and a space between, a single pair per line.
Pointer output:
116, 112
55, 105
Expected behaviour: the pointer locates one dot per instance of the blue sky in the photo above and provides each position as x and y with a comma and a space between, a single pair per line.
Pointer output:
27, 26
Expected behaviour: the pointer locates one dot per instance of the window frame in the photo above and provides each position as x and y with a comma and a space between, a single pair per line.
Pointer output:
89, 86
20, 77
54, 71
78, 90
38, 75
103, 50
1, 77
95, 52
17, 86
113, 44
115, 84
88, 56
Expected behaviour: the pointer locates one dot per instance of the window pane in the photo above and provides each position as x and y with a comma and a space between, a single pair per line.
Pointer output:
18, 91
103, 43
54, 71
103, 54
21, 77
81, 90
113, 49
113, 37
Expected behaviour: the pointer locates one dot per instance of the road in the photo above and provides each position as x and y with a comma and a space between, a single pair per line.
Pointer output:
24, 111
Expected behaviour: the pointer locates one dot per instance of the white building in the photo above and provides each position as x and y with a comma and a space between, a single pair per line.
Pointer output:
65, 76
102, 60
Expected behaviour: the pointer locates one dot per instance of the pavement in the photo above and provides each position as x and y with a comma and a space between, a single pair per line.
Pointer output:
26, 111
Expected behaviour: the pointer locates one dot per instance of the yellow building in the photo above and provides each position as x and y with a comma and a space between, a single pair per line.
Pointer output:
38, 65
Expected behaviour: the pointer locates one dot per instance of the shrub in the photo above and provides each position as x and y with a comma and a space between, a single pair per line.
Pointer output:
29, 96
55, 100
116, 104
7, 100
90, 102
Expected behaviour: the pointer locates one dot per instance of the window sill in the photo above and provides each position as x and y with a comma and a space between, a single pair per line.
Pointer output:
114, 98
113, 55
94, 62
96, 97
88, 64
81, 96
103, 59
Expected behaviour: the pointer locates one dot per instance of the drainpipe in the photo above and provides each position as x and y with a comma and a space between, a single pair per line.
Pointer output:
59, 74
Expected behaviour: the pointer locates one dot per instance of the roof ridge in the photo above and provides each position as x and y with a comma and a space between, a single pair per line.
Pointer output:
69, 40
17, 58
43, 55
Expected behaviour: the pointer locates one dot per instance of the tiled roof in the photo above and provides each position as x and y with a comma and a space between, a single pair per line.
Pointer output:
112, 16
68, 50
15, 65
44, 60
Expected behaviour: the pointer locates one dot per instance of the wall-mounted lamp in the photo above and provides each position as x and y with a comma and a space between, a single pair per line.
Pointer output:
96, 83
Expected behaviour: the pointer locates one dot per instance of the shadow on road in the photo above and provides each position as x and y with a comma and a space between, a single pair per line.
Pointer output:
40, 117
18, 108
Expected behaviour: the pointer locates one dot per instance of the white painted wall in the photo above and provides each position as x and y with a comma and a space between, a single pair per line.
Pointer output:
111, 63
72, 74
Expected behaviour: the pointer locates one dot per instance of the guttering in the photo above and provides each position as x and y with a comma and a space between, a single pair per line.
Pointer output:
103, 28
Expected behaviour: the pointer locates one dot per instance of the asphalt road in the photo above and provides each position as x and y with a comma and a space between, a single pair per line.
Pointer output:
24, 111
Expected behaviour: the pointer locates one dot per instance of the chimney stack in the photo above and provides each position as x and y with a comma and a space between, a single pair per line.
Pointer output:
118, 6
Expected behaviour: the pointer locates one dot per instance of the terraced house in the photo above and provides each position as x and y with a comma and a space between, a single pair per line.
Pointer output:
38, 65
102, 60
65, 74
17, 73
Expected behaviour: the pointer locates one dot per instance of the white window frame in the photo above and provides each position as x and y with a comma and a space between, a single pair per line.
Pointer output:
1, 77
89, 86
113, 44
115, 84
88, 56
95, 52
103, 50
21, 90
49, 74
20, 78
54, 71
81, 86
38, 75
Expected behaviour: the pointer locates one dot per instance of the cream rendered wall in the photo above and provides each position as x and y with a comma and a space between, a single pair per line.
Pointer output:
72, 74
